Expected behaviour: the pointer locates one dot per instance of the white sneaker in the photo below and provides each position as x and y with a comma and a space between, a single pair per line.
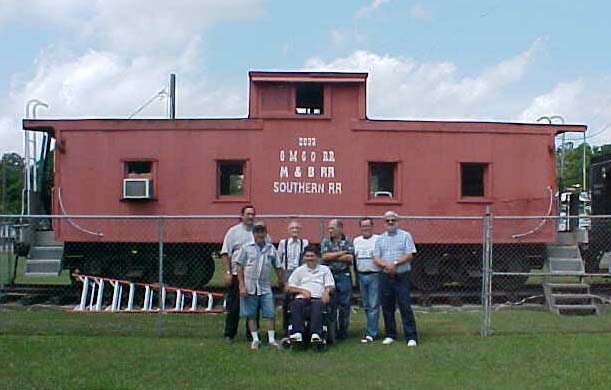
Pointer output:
275, 344
296, 337
367, 339
315, 338
412, 343
255, 344
388, 341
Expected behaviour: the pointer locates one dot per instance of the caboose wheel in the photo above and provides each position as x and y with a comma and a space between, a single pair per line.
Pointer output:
425, 275
510, 264
188, 271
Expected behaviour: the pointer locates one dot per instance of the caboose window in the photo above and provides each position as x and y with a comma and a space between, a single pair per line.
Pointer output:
138, 167
382, 179
309, 99
230, 178
473, 179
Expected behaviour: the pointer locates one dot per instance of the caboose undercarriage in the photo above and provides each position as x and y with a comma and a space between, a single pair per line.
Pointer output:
185, 265
191, 265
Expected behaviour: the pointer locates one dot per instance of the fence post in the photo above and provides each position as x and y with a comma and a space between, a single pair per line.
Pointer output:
322, 229
160, 233
3, 251
486, 274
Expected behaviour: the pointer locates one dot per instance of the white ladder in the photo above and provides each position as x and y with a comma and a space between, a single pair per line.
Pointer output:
154, 301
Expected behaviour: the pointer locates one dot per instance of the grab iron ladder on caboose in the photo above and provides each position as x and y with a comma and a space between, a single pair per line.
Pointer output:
154, 297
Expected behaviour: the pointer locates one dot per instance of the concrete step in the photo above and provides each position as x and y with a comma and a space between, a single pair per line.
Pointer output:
564, 251
42, 267
578, 310
565, 265
45, 238
566, 238
46, 252
567, 288
571, 299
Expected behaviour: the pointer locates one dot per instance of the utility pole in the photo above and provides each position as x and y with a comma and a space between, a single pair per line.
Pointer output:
3, 186
172, 96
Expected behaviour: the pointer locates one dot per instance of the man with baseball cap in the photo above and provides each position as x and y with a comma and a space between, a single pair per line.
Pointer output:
254, 265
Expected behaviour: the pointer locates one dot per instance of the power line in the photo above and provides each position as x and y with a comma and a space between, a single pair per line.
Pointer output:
604, 129
161, 93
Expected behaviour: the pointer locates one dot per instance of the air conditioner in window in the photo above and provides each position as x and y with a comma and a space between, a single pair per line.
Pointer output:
137, 188
382, 194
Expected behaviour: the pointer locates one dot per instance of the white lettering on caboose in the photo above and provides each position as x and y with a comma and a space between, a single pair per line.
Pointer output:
306, 163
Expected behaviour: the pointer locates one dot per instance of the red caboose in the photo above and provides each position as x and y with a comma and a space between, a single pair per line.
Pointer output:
306, 147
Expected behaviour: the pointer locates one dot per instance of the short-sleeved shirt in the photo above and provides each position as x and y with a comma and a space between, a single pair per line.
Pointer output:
343, 244
257, 264
290, 252
314, 280
363, 253
235, 237
391, 247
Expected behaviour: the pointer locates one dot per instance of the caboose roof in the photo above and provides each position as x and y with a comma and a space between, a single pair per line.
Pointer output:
50, 125
295, 77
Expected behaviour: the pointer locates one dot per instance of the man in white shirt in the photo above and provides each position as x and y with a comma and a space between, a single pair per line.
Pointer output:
235, 237
369, 274
290, 253
312, 284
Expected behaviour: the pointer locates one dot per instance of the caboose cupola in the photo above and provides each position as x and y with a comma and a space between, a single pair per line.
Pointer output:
299, 95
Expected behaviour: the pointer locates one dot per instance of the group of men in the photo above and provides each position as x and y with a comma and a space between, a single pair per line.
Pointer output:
317, 282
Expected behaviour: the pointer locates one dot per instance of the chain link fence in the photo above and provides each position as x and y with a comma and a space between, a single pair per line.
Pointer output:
551, 273
510, 274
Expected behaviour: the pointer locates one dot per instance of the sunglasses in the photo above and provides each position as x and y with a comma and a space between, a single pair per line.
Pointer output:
391, 220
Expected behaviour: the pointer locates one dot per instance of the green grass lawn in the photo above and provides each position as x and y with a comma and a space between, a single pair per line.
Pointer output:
7, 268
7, 261
531, 350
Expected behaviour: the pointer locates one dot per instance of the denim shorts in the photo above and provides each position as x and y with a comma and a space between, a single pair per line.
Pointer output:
251, 304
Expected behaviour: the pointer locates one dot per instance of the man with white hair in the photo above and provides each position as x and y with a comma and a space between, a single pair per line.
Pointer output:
290, 253
393, 253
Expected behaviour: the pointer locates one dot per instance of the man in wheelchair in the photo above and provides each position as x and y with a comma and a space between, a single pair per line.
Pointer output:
311, 285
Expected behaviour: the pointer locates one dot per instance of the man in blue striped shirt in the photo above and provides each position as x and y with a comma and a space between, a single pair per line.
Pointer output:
393, 252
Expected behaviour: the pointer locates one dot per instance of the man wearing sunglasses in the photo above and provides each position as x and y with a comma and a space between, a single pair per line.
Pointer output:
393, 253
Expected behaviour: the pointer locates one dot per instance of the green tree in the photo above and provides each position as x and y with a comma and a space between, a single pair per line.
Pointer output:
573, 163
11, 183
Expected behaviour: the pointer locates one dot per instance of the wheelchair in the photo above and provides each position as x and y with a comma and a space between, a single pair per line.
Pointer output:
326, 336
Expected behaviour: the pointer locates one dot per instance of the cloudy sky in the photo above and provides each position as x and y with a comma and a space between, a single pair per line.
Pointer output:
427, 59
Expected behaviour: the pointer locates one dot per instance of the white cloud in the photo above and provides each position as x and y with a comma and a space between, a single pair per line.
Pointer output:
46, 12
131, 26
419, 12
143, 25
338, 36
369, 9
429, 90
102, 84
133, 46
577, 101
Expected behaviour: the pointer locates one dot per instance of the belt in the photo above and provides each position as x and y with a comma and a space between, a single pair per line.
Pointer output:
340, 271
369, 272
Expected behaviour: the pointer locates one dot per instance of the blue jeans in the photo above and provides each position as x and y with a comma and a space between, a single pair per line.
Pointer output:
250, 306
369, 284
395, 290
340, 303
